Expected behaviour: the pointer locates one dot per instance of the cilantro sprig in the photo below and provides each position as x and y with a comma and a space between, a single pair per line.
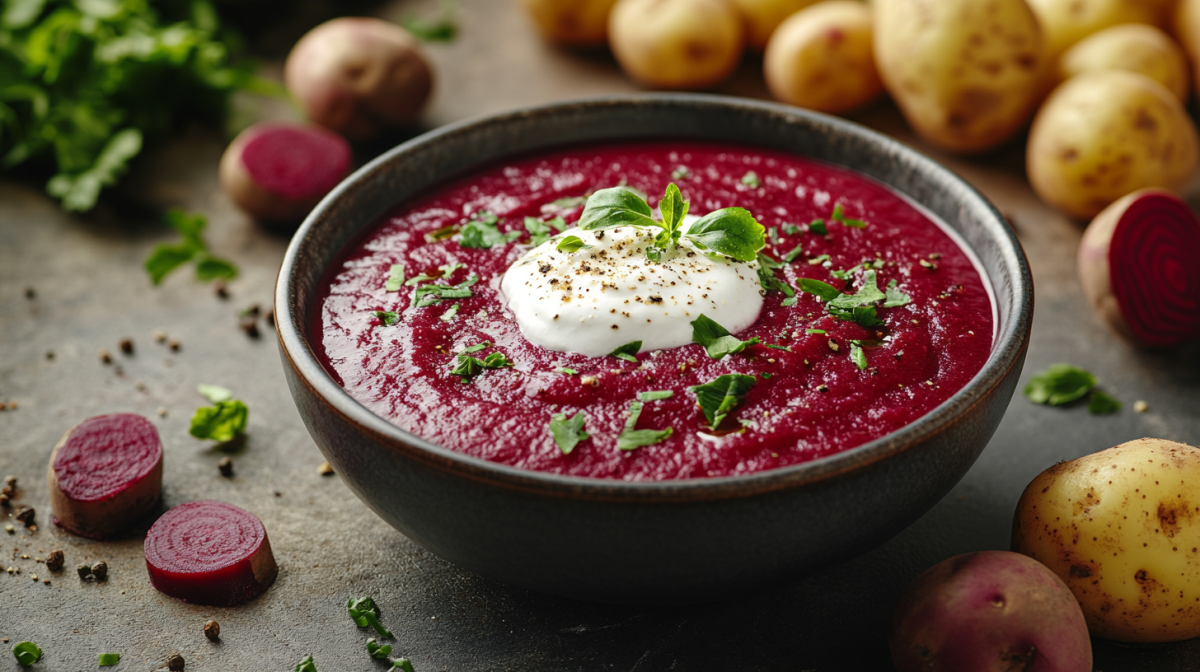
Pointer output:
732, 232
1064, 383
859, 306
719, 397
715, 339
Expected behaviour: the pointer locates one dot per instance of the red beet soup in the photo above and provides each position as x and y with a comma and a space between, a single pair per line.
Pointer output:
822, 382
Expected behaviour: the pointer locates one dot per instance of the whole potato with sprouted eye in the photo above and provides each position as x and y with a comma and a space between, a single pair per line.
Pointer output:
676, 44
965, 73
358, 76
1122, 528
1135, 47
822, 58
571, 22
1066, 22
1103, 135
764, 16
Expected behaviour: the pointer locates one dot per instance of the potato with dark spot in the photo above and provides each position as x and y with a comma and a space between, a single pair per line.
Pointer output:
1103, 135
1122, 528
581, 23
764, 16
1066, 22
1134, 47
676, 44
965, 73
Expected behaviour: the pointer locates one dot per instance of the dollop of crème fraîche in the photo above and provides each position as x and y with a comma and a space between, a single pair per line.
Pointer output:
609, 293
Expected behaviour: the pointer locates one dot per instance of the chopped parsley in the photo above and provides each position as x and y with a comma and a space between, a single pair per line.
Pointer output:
221, 422
386, 317
867, 294
395, 278
814, 331
540, 232
467, 366
791, 229
445, 271
750, 179
26, 653
718, 397
441, 234
1102, 403
107, 659
627, 351
306, 665
895, 298
428, 295
442, 29
572, 244
715, 339
840, 217
401, 664
632, 439
377, 650
566, 203
569, 372
477, 347
1060, 384
772, 235
449, 315
849, 307
822, 290
844, 274
778, 347
568, 432
857, 355
655, 395
817, 226
482, 232
164, 259
791, 256
680, 173
364, 612
771, 283
818, 260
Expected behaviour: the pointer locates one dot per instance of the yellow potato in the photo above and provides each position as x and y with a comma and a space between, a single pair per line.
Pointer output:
571, 22
821, 58
1135, 47
1066, 22
1122, 529
764, 16
964, 73
1185, 26
1102, 135
676, 44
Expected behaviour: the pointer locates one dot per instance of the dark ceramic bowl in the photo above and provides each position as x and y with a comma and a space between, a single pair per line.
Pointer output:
672, 541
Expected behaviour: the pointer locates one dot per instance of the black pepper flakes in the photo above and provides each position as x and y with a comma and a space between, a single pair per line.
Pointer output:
174, 345
212, 630
100, 571
105, 356
126, 345
54, 561
225, 466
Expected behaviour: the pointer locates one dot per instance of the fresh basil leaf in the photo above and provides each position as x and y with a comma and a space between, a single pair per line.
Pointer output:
387, 317
26, 653
632, 439
572, 244
377, 650
395, 278
730, 231
817, 226
655, 395
482, 233
616, 206
673, 208
857, 355
796, 252
750, 179
627, 351
1101, 403
822, 290
715, 339
449, 315
568, 433
718, 397
894, 297
215, 394
306, 665
1059, 384
107, 659
221, 422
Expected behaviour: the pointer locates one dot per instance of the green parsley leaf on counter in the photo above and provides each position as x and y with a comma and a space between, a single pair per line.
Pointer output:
655, 395
718, 397
386, 317
221, 422
568, 432
166, 258
1059, 384
715, 339
364, 612
444, 28
395, 278
26, 653
377, 650
1102, 403
305, 665
401, 664
572, 244
107, 659
632, 439
627, 352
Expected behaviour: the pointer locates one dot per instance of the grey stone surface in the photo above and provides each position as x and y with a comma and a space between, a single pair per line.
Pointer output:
91, 292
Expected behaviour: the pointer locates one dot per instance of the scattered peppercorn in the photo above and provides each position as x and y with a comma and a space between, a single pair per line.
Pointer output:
250, 326
252, 311
269, 318
25, 515
226, 467
4, 501
100, 571
175, 662
174, 345
7, 490
159, 336
126, 345
84, 571
30, 293
105, 356
10, 481
54, 561
222, 292
325, 469
212, 630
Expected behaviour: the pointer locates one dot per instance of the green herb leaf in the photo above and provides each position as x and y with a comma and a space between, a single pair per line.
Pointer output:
377, 650
568, 433
857, 355
429, 295
569, 372
814, 331
306, 665
572, 244
107, 659
540, 232
627, 351
838, 216
222, 422
448, 316
387, 317
895, 298
1059, 384
655, 395
27, 653
395, 278
478, 346
482, 232
751, 180
632, 439
715, 339
442, 29
79, 191
567, 203
818, 260
402, 664
791, 229
718, 397
778, 347
364, 612
680, 173
210, 268
822, 290
817, 226
215, 394
730, 231
796, 252
469, 366
441, 234
496, 360
166, 258
616, 206
1101, 403
673, 208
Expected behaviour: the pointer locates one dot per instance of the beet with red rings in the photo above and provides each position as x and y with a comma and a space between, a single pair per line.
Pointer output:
1138, 265
105, 474
211, 553
277, 171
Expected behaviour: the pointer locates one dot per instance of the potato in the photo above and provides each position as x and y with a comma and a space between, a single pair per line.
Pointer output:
571, 22
1185, 26
1066, 22
989, 612
964, 73
822, 58
764, 16
676, 44
1102, 135
1122, 528
1135, 47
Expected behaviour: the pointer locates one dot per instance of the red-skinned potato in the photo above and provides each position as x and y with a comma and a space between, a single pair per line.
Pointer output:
676, 44
993, 611
581, 23
277, 171
1138, 266
358, 76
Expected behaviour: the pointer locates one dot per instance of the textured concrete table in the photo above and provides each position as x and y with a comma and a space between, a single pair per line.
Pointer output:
90, 292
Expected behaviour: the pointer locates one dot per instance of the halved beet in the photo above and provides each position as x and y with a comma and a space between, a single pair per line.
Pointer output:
105, 474
1138, 265
277, 171
210, 553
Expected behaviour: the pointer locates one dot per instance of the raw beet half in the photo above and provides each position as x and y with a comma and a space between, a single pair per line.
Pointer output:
105, 474
210, 553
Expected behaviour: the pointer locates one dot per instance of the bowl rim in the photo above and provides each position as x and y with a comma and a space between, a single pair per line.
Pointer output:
1007, 350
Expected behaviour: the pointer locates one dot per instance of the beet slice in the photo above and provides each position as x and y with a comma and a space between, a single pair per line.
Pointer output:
1138, 266
105, 474
277, 172
210, 553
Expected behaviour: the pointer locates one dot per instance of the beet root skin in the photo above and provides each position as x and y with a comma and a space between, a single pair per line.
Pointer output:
358, 76
210, 553
993, 611
105, 474
1138, 269
278, 171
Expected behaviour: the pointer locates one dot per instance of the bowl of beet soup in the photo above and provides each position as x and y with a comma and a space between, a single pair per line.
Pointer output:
624, 530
